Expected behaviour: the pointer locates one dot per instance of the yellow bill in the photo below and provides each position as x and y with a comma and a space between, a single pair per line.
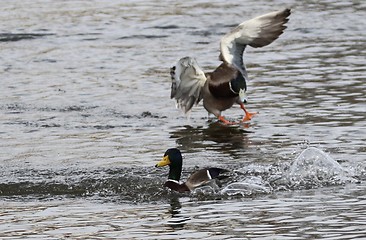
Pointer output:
165, 161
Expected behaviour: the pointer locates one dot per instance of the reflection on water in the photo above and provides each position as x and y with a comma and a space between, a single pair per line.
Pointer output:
225, 139
177, 220
85, 113
326, 213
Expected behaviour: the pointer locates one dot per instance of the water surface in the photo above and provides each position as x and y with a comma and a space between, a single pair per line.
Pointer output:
85, 114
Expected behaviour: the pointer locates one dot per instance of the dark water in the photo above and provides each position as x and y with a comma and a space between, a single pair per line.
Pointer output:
85, 114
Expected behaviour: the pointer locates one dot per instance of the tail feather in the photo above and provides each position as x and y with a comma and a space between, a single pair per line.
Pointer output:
216, 173
188, 80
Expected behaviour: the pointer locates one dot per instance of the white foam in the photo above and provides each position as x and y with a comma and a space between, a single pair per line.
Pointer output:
315, 167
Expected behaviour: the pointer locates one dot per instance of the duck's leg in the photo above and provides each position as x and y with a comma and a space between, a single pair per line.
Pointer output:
248, 115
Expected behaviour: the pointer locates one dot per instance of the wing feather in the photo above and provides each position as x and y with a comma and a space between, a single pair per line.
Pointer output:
188, 80
256, 32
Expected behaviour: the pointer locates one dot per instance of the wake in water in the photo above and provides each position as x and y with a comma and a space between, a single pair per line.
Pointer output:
313, 168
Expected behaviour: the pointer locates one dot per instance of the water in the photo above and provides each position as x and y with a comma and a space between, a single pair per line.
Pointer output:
85, 114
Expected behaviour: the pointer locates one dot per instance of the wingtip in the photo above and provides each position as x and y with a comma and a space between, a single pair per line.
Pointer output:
286, 12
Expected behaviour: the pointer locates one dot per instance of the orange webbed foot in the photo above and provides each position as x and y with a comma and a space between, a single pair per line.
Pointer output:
227, 122
248, 116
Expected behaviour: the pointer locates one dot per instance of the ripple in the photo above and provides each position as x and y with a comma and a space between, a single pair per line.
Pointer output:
13, 37
311, 169
85, 108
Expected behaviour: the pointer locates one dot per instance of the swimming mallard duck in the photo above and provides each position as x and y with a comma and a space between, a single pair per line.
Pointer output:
227, 84
173, 158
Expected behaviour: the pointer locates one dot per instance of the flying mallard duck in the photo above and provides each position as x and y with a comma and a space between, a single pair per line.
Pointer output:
173, 158
227, 84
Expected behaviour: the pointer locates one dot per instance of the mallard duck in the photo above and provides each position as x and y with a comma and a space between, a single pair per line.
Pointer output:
227, 84
173, 159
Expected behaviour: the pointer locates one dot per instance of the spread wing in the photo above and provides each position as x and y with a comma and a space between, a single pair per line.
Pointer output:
188, 80
256, 32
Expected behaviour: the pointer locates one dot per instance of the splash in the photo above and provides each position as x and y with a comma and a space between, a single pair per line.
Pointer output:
314, 168
249, 186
